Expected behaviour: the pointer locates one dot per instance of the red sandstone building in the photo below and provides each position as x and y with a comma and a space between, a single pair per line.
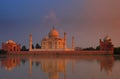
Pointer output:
106, 44
10, 46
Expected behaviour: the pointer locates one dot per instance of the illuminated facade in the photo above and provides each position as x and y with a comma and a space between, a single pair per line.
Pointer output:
10, 46
52, 42
106, 44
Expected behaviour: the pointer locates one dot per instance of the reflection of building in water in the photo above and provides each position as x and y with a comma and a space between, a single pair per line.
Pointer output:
106, 64
106, 44
52, 67
10, 63
53, 42
10, 46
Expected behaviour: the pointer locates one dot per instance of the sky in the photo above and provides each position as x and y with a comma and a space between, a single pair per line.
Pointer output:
86, 20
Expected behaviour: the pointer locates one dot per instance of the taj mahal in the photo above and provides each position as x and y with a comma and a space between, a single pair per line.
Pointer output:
53, 42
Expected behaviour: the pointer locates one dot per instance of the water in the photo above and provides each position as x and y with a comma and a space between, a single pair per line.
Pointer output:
60, 67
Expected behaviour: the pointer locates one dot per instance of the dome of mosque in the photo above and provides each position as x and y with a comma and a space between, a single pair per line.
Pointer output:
107, 38
11, 42
53, 33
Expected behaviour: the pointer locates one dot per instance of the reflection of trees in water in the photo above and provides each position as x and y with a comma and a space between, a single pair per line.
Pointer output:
117, 57
37, 64
23, 61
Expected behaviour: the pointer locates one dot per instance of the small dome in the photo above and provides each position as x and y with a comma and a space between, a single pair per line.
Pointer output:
107, 38
11, 41
53, 33
46, 38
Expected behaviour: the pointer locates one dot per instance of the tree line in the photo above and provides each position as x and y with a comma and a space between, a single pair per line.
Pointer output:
24, 48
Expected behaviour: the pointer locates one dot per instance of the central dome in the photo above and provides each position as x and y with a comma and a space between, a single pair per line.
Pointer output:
53, 33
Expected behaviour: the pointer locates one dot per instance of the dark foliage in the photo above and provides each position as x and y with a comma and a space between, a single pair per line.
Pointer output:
98, 48
37, 46
117, 50
89, 48
24, 48
3, 52
33, 47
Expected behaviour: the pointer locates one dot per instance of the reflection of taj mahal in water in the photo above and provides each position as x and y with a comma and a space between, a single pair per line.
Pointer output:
53, 67
53, 42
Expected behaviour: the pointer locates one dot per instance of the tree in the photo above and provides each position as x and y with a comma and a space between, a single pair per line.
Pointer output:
98, 48
32, 46
24, 48
89, 48
117, 50
3, 52
37, 46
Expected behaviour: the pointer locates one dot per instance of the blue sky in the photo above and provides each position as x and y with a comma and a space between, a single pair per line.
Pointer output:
87, 20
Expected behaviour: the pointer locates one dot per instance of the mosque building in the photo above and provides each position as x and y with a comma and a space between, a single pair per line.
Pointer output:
106, 44
53, 42
10, 45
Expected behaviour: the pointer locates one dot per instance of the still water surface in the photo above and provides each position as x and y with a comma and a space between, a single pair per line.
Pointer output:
75, 67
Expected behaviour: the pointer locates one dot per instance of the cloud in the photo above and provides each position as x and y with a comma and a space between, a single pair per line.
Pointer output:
51, 19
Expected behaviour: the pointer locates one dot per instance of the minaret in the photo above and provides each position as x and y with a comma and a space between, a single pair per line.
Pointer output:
65, 40
73, 43
30, 43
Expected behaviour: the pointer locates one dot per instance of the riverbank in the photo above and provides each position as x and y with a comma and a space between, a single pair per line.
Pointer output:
61, 53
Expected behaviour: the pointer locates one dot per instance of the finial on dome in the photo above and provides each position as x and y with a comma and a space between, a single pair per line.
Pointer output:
30, 34
53, 27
